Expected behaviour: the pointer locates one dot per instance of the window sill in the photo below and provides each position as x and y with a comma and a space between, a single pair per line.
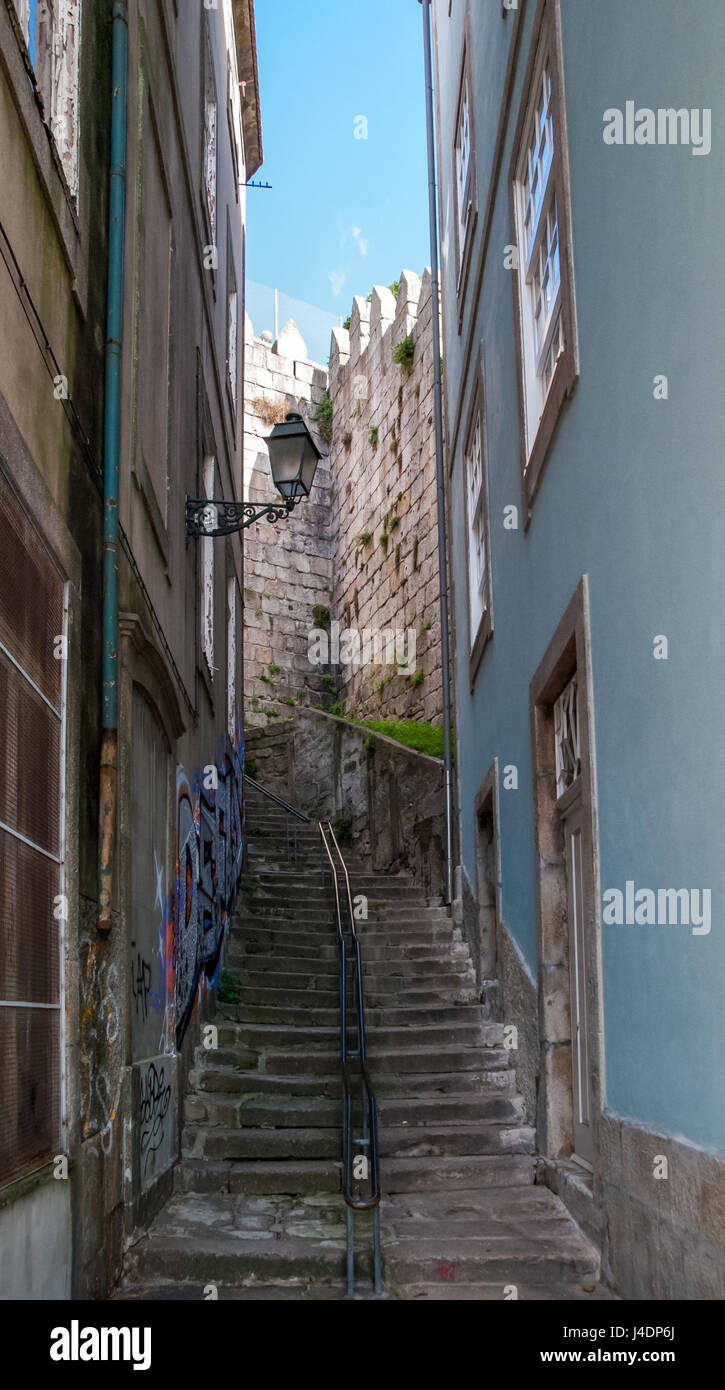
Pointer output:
483, 637
14, 1189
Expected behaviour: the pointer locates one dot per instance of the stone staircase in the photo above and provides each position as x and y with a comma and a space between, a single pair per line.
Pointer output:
257, 1209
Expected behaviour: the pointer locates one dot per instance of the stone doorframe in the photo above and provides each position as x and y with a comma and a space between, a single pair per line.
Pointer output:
569, 651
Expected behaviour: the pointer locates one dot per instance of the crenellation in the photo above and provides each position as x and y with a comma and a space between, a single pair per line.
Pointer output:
383, 488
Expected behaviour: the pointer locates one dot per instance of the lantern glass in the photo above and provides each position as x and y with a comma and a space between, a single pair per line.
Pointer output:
293, 457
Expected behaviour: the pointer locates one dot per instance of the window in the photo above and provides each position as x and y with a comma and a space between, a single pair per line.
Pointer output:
479, 583
207, 576
232, 331
547, 352
566, 737
233, 123
33, 633
464, 165
463, 168
210, 137
51, 29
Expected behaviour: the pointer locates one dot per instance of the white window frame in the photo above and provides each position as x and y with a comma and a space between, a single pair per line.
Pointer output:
464, 167
538, 200
207, 572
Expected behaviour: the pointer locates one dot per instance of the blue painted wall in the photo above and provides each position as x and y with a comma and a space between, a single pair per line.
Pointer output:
633, 495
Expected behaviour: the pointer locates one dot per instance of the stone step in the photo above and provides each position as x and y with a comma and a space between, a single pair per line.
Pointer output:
432, 1141
220, 1078
372, 952
294, 1061
305, 1176
257, 910
320, 927
329, 997
260, 1036
267, 932
311, 894
215, 1237
261, 1177
248, 1110
399, 1015
388, 975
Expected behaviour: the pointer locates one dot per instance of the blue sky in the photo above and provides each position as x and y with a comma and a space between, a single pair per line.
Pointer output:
344, 213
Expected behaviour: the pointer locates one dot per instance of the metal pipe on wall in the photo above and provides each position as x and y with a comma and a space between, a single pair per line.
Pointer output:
112, 428
440, 465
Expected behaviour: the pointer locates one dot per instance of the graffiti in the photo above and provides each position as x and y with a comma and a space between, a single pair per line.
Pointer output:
141, 985
100, 1030
210, 825
153, 1108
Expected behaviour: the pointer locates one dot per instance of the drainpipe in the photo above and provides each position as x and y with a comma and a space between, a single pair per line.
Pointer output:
440, 466
112, 426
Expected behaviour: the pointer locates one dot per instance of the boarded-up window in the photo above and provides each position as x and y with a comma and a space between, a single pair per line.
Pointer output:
154, 310
32, 685
210, 135
51, 29
232, 659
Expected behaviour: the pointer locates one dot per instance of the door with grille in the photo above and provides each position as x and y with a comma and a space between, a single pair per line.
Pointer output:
32, 913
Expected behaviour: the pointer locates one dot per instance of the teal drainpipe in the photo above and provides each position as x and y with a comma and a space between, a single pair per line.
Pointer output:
111, 442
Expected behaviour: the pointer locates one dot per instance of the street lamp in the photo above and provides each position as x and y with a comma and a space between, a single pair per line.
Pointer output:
293, 457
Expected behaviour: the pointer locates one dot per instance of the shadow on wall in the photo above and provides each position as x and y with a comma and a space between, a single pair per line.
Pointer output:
335, 770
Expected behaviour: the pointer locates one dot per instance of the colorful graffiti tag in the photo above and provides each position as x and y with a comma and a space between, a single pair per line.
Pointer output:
210, 823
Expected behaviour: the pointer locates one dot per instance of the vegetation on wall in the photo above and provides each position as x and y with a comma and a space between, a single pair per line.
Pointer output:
404, 354
323, 416
412, 733
373, 436
321, 615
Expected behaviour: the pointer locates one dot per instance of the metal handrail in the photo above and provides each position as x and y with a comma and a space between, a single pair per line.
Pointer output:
291, 810
354, 1073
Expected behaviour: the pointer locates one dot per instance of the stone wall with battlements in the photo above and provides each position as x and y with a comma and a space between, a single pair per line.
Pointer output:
287, 565
385, 556
361, 555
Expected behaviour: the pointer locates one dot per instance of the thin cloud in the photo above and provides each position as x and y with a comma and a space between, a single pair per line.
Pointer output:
338, 280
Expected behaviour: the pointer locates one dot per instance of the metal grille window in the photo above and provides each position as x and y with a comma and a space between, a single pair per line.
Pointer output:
477, 528
566, 737
32, 731
463, 168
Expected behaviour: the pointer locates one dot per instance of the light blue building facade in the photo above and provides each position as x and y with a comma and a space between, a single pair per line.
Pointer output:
581, 157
